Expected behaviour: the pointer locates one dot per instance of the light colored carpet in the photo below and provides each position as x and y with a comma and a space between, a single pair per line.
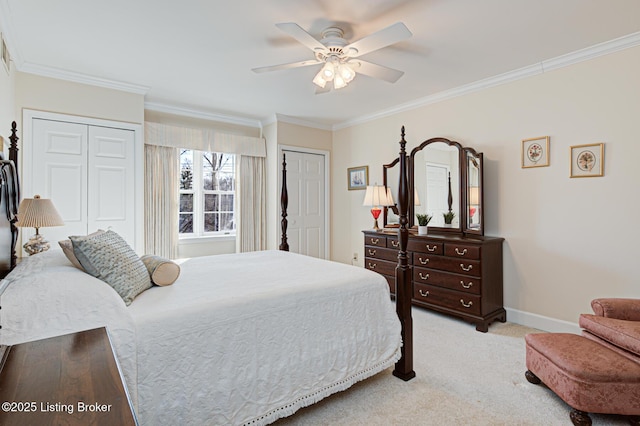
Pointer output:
463, 377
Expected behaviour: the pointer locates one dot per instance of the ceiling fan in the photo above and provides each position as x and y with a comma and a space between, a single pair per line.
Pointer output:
341, 59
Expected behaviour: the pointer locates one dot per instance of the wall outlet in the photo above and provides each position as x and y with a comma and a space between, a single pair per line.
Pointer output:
355, 257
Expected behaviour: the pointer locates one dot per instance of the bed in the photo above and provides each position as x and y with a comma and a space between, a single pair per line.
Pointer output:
227, 343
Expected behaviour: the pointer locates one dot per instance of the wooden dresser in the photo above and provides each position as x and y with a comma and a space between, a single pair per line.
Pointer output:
452, 274
65, 380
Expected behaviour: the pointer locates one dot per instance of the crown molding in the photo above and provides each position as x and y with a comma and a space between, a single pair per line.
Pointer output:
77, 77
297, 121
615, 45
204, 115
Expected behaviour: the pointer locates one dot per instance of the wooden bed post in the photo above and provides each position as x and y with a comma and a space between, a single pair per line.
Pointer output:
284, 203
404, 367
13, 147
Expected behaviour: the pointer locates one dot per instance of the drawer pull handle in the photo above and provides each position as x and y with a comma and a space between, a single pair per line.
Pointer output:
466, 305
461, 253
423, 277
372, 252
431, 248
466, 285
375, 240
423, 262
423, 293
372, 265
466, 269
395, 243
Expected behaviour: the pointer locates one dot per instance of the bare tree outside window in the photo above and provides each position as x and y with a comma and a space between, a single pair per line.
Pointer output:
207, 193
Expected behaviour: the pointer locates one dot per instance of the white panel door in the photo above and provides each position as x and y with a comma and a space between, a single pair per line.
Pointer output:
437, 192
111, 173
88, 173
59, 172
306, 212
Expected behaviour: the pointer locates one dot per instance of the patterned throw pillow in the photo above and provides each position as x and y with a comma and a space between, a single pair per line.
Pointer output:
67, 249
162, 271
107, 256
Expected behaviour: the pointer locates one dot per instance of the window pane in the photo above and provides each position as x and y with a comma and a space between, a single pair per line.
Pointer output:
226, 202
186, 223
186, 202
186, 169
226, 222
211, 202
210, 222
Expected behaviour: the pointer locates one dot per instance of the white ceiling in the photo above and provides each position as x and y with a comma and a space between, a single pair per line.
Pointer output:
198, 54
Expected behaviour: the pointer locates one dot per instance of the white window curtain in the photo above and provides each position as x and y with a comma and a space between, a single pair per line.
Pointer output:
250, 207
251, 195
161, 201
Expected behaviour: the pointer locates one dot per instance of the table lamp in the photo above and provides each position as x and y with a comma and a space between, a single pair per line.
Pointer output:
376, 197
37, 213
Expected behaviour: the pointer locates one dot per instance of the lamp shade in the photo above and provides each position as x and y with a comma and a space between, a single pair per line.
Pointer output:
37, 213
376, 195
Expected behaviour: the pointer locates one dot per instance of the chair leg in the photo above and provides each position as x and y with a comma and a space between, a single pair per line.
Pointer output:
580, 418
532, 378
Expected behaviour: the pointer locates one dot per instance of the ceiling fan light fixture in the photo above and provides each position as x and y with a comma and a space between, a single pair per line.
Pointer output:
319, 81
346, 72
339, 82
328, 71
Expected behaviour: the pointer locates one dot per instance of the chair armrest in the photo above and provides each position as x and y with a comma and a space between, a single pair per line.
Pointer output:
624, 309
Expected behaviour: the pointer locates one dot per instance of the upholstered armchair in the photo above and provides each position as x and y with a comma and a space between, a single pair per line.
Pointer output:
597, 372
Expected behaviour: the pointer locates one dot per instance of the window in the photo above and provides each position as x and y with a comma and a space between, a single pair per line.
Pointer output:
207, 193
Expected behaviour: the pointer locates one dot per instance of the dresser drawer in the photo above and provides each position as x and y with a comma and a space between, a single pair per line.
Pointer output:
462, 251
428, 247
381, 266
378, 241
381, 253
460, 266
451, 299
392, 242
444, 279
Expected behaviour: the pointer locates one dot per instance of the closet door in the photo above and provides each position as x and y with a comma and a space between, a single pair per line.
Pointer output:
59, 172
110, 179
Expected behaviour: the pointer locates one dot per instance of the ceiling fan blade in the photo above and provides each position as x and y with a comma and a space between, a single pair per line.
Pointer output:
376, 71
383, 38
285, 66
295, 31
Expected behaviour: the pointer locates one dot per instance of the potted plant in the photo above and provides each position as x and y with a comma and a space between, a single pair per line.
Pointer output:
423, 221
448, 217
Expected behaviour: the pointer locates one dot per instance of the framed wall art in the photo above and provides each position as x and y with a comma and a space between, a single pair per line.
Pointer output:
535, 152
587, 160
358, 177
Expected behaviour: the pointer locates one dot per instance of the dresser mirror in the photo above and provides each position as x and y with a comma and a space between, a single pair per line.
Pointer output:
390, 178
444, 178
474, 223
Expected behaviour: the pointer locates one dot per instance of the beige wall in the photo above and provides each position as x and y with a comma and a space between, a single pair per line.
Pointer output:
567, 240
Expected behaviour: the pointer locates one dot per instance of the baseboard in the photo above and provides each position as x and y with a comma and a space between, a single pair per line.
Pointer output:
541, 322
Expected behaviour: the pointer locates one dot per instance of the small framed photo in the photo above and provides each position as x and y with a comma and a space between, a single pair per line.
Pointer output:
535, 152
358, 177
587, 160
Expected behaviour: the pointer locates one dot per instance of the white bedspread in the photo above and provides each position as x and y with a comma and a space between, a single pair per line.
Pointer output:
237, 339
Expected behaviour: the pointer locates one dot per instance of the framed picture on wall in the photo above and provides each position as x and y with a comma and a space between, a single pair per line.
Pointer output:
535, 152
587, 160
358, 177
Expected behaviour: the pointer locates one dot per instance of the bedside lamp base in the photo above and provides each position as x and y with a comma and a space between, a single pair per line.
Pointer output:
36, 244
